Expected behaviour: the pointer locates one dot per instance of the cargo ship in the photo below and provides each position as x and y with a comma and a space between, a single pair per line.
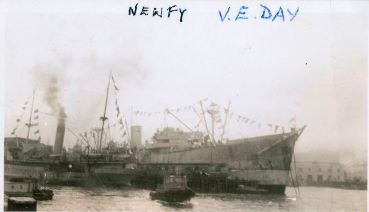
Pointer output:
248, 165
260, 164
92, 166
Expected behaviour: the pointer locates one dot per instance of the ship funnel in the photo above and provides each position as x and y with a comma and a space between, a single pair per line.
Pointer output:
136, 136
60, 130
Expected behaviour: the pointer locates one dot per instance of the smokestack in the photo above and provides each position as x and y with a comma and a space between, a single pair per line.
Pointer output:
136, 136
60, 130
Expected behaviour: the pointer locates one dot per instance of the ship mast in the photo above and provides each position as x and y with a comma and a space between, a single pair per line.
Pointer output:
212, 113
225, 121
204, 117
104, 118
29, 124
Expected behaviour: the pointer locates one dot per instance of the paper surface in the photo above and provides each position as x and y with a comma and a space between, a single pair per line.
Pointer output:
268, 65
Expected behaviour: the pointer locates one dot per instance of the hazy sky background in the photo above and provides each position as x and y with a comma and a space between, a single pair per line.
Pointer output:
314, 68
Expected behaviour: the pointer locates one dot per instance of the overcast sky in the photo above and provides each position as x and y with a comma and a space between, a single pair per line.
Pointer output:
314, 68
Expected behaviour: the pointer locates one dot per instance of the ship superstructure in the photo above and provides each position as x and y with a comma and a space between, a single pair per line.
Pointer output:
263, 162
212, 162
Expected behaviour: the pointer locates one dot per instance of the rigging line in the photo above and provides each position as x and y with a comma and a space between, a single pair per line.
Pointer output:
297, 180
103, 118
86, 141
225, 121
49, 114
293, 183
29, 125
169, 112
204, 117
198, 115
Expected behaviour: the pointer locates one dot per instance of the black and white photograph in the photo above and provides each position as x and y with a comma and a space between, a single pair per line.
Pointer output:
184, 105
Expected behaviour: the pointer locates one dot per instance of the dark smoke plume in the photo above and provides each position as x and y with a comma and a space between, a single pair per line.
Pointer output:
49, 83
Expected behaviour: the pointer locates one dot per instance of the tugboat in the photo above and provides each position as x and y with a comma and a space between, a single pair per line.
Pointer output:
174, 189
43, 194
26, 187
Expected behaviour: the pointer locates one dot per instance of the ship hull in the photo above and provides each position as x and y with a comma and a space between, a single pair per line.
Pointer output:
254, 165
82, 174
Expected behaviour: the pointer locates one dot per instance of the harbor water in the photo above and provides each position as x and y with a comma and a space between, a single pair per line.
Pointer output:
108, 199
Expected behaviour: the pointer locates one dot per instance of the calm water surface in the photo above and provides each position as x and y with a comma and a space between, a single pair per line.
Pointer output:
104, 199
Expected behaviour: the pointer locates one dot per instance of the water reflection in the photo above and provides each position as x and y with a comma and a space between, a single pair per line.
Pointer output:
182, 205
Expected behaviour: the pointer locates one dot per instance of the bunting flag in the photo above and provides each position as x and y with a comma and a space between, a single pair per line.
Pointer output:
18, 120
25, 103
37, 132
35, 117
177, 110
214, 110
23, 108
35, 111
121, 123
118, 111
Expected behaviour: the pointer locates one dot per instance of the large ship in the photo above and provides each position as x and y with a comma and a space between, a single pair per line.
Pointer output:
252, 165
88, 163
259, 164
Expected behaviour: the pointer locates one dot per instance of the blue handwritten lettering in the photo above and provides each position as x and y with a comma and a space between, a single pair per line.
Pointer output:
242, 12
225, 15
279, 14
293, 14
266, 9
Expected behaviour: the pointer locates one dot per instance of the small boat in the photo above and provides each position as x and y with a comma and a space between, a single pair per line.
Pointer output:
43, 194
174, 189
21, 204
